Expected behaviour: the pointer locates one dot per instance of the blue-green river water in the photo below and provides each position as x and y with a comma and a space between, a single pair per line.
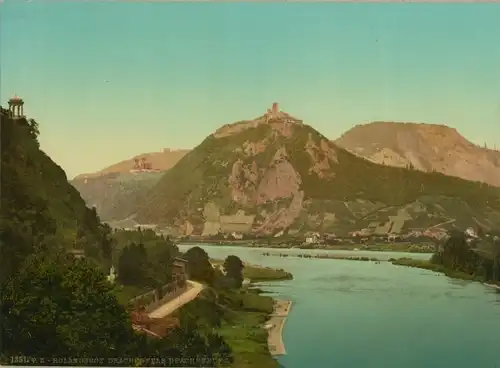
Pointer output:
349, 314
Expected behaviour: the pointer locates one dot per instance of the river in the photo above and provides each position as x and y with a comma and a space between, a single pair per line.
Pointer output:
350, 314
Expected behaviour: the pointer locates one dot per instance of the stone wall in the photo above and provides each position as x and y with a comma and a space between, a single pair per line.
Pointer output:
150, 299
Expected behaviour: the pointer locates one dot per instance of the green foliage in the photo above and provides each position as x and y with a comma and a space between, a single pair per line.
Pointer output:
243, 331
259, 274
460, 259
234, 270
38, 202
206, 349
56, 306
146, 265
199, 266
133, 266
52, 304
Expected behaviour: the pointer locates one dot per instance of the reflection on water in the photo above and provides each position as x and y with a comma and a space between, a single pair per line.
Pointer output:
349, 314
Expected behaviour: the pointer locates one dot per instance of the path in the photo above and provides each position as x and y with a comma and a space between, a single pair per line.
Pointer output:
164, 310
441, 224
277, 322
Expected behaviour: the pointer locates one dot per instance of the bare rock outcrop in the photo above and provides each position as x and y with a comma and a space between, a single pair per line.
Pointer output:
280, 180
243, 181
321, 156
283, 218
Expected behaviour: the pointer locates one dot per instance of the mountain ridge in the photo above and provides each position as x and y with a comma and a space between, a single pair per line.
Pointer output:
270, 175
426, 147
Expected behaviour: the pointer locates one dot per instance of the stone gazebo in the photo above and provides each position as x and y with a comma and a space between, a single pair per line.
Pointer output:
16, 107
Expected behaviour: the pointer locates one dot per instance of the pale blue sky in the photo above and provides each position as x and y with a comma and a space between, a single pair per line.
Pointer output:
109, 80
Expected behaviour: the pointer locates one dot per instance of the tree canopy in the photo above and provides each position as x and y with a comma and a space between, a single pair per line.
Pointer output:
199, 266
234, 269
479, 258
58, 306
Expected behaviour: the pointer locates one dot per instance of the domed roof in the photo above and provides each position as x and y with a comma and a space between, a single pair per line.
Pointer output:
16, 98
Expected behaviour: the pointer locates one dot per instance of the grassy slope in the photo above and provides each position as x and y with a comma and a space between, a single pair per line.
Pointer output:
202, 174
245, 333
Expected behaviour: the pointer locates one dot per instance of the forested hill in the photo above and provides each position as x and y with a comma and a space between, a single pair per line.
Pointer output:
38, 205
54, 306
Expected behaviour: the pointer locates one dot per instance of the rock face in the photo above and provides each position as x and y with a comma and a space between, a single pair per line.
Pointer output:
424, 147
276, 175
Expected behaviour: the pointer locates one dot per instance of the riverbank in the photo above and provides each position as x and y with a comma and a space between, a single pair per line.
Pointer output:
428, 265
323, 256
275, 326
257, 273
406, 247
244, 331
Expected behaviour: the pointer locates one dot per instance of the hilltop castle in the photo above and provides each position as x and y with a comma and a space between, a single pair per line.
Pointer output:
274, 114
142, 165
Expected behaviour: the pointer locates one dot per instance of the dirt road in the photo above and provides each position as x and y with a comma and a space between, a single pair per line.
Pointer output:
171, 306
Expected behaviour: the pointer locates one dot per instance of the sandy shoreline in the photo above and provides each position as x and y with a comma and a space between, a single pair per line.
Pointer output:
277, 323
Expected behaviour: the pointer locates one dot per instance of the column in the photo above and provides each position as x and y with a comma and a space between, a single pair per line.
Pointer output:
22, 110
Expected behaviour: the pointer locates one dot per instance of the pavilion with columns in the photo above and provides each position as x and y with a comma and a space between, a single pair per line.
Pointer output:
16, 107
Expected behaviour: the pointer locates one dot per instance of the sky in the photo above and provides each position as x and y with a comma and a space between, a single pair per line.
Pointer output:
109, 80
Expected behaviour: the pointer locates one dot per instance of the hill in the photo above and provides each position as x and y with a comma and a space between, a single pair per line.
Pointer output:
160, 161
114, 194
38, 205
425, 147
116, 189
48, 295
275, 173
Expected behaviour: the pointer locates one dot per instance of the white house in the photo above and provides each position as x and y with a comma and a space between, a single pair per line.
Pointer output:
312, 239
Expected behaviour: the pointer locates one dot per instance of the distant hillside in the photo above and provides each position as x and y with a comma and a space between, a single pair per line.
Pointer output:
115, 189
115, 194
160, 161
269, 175
38, 205
425, 147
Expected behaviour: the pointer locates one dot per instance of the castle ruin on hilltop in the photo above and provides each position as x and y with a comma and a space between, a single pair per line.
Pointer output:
142, 165
274, 114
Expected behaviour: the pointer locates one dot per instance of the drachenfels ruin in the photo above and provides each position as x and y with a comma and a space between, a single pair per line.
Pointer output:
274, 114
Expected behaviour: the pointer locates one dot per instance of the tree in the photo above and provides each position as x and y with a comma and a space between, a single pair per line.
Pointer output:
133, 266
199, 266
162, 258
234, 270
68, 305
